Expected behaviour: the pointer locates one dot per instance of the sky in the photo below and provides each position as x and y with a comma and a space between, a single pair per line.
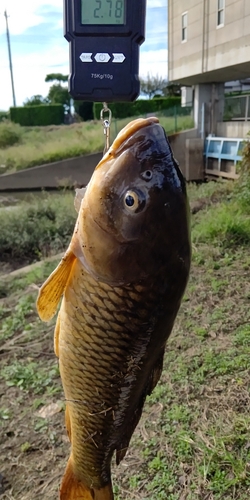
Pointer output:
38, 46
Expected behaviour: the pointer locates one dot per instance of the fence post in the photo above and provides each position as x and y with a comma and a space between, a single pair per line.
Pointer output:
175, 119
246, 110
115, 126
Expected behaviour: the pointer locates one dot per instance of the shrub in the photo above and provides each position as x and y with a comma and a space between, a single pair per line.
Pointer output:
141, 106
226, 225
44, 114
242, 189
4, 115
10, 134
35, 230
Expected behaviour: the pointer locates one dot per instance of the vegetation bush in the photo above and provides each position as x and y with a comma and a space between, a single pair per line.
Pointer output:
34, 230
141, 106
10, 134
41, 115
228, 222
42, 145
4, 115
243, 185
84, 109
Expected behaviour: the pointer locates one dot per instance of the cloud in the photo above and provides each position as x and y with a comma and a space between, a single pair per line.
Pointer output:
156, 29
156, 3
23, 15
154, 62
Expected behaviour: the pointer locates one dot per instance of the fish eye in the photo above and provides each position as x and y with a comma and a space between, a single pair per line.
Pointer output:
147, 175
134, 202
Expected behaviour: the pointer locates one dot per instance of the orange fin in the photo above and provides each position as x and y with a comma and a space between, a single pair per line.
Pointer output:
53, 288
67, 422
56, 336
72, 489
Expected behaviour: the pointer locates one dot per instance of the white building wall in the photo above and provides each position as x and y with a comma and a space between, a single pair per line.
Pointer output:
211, 53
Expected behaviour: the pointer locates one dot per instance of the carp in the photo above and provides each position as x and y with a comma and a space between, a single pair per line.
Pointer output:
121, 280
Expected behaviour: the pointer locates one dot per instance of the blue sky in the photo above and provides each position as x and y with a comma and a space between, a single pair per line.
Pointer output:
38, 46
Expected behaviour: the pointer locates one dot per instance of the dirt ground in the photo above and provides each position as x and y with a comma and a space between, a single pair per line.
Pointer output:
193, 441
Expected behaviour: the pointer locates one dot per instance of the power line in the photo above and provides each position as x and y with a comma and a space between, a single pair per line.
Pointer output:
10, 60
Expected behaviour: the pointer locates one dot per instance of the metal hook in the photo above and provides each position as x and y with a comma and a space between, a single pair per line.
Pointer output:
106, 125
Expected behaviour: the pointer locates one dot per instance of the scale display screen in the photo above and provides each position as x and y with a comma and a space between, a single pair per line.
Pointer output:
103, 12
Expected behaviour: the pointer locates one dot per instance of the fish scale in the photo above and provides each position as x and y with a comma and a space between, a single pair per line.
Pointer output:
77, 372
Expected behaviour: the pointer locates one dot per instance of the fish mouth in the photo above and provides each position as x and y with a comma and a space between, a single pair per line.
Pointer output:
126, 133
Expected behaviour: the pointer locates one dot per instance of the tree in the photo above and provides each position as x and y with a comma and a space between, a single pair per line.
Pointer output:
172, 89
58, 94
151, 85
58, 77
35, 100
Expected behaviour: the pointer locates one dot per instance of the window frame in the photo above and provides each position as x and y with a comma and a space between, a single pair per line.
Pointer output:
184, 28
220, 11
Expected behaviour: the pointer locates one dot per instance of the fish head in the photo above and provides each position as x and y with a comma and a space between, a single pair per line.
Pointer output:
133, 219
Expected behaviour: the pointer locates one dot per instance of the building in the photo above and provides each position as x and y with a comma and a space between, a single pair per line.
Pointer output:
209, 44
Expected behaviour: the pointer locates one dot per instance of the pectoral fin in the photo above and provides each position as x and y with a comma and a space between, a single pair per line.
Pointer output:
53, 288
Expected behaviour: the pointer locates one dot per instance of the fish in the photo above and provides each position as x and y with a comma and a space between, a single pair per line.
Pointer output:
121, 280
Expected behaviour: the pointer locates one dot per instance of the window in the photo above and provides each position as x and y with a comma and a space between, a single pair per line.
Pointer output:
221, 13
184, 19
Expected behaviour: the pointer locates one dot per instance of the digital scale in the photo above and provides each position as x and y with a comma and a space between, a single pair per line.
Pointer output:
104, 38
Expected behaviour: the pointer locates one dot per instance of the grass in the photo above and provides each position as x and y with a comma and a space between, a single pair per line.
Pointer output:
31, 231
41, 145
192, 442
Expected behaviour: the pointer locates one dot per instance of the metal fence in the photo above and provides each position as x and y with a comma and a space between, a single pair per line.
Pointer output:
237, 108
173, 120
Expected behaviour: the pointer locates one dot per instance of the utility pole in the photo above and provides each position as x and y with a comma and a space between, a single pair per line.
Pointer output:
10, 61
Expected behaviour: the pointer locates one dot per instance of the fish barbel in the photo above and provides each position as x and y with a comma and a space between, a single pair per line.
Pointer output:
122, 279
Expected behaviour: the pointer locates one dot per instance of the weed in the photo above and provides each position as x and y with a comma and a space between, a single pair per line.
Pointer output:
225, 224
29, 376
37, 275
192, 441
242, 335
16, 319
5, 414
10, 133
25, 447
32, 231
41, 425
42, 145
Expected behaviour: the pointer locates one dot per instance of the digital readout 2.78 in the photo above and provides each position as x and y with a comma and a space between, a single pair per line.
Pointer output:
104, 38
103, 12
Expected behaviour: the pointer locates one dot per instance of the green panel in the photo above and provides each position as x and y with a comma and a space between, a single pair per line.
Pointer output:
103, 12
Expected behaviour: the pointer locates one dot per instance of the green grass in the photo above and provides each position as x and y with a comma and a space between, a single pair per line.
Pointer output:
37, 275
31, 231
226, 224
40, 145
29, 376
16, 319
192, 442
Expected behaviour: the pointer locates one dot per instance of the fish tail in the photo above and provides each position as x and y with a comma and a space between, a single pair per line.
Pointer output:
73, 489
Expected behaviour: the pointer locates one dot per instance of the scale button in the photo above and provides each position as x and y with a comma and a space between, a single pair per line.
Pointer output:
102, 57
86, 57
118, 57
